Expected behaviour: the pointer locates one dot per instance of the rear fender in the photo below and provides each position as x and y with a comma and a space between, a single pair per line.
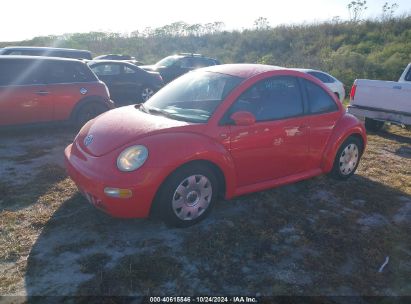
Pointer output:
346, 126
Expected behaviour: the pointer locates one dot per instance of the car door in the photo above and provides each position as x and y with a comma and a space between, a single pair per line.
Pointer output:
133, 82
323, 114
63, 89
277, 144
24, 98
110, 74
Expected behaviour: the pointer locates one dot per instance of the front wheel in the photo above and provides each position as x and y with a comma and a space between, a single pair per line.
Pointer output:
187, 196
88, 111
146, 93
347, 158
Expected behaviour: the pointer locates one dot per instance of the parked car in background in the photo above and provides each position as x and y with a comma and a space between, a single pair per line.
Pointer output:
378, 101
46, 51
126, 58
126, 82
224, 130
174, 66
114, 57
45, 89
336, 86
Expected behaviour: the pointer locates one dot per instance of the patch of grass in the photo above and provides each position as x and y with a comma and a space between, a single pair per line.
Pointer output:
136, 273
8, 282
20, 196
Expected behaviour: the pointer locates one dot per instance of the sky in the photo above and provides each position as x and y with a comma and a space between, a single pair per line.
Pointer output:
25, 19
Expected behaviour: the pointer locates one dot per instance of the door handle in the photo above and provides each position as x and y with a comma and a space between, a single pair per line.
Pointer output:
397, 87
42, 93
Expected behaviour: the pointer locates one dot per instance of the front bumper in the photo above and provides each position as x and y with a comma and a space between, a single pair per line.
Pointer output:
93, 174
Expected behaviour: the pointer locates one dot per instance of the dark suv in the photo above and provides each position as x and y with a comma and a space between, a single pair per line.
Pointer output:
174, 66
46, 51
46, 89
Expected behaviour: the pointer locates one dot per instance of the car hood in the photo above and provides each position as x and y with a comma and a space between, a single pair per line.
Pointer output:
119, 127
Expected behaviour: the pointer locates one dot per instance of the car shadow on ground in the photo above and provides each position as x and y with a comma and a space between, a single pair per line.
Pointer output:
31, 161
316, 237
398, 137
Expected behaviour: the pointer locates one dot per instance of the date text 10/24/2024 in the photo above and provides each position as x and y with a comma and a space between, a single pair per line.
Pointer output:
203, 299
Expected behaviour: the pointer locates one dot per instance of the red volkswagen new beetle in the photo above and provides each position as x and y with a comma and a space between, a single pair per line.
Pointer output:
223, 130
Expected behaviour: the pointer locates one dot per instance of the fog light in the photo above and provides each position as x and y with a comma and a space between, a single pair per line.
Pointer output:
116, 192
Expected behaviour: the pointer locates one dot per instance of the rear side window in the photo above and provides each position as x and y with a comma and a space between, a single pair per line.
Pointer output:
319, 101
67, 72
82, 73
271, 99
13, 72
107, 69
322, 77
408, 75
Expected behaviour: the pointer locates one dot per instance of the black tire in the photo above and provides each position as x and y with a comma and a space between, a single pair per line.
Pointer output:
373, 125
169, 196
146, 93
343, 170
88, 111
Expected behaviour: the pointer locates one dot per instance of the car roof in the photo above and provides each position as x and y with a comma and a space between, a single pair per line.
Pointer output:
42, 48
38, 58
104, 61
109, 61
309, 70
243, 70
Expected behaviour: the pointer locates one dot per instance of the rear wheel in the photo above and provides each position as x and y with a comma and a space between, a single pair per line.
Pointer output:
347, 158
187, 196
373, 125
88, 111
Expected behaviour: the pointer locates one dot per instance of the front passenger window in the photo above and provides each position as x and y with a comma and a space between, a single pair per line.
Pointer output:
271, 99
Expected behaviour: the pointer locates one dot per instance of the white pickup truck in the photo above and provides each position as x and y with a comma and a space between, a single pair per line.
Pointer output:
377, 101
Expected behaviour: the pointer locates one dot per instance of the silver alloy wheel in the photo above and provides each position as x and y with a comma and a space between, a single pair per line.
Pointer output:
348, 159
192, 197
146, 93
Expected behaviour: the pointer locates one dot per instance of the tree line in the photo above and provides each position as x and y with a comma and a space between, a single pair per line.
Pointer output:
375, 49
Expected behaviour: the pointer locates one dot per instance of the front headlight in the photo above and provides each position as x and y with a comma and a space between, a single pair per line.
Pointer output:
132, 158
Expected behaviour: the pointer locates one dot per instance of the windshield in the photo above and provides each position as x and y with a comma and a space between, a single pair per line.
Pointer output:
193, 97
168, 61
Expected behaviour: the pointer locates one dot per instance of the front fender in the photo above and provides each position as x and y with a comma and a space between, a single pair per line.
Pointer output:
346, 126
172, 150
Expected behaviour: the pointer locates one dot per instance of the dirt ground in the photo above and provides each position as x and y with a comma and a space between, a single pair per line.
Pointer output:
316, 237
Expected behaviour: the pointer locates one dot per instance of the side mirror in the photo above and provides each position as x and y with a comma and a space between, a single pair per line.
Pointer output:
243, 118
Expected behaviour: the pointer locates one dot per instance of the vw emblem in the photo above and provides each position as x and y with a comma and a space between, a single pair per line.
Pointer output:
83, 91
88, 140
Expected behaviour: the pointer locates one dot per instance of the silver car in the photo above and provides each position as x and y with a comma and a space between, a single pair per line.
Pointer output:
331, 82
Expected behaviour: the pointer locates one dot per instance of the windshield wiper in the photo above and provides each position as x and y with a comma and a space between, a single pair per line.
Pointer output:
156, 111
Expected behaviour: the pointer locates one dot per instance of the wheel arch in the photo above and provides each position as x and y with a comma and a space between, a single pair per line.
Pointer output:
87, 100
346, 127
219, 174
